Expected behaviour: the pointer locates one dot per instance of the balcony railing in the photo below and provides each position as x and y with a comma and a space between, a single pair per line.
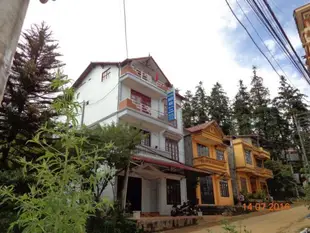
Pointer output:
205, 161
152, 152
145, 77
143, 108
263, 171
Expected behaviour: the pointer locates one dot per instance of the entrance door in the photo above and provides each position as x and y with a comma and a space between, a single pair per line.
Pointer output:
134, 191
253, 184
206, 190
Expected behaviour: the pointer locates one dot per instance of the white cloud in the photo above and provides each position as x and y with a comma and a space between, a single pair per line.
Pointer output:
188, 39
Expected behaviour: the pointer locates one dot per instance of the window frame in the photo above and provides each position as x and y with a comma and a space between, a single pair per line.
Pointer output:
172, 146
248, 160
146, 141
224, 188
105, 74
173, 192
261, 162
202, 148
223, 154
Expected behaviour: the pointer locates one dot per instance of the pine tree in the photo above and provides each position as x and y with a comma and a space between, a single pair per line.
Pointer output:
242, 110
29, 94
187, 110
260, 102
219, 109
199, 105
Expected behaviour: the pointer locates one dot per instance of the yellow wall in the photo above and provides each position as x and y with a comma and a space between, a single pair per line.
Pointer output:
247, 177
215, 178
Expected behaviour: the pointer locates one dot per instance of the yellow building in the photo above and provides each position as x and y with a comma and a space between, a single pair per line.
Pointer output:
206, 149
249, 162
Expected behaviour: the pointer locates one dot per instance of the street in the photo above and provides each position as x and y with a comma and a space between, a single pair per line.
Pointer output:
285, 221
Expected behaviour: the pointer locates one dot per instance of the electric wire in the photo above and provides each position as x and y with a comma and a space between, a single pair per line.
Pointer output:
104, 95
232, 11
125, 24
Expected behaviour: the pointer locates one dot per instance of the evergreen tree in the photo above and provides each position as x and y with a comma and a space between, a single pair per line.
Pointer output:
199, 105
29, 94
260, 102
242, 110
187, 110
219, 109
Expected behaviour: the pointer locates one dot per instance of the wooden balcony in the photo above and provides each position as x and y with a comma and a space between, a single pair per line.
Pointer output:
204, 162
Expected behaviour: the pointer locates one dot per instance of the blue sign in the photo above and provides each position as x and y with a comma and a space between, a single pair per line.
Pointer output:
171, 105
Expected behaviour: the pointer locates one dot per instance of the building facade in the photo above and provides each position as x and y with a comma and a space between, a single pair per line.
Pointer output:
206, 150
249, 164
135, 92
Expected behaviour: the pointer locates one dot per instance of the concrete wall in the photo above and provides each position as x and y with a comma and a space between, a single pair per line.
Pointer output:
12, 14
188, 150
102, 96
233, 174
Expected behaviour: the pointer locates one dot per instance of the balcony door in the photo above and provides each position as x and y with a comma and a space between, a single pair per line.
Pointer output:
206, 190
143, 102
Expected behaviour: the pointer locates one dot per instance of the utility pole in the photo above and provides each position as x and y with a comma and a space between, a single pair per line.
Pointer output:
12, 15
305, 163
83, 112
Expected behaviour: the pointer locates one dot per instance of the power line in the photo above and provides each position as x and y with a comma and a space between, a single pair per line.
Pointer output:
260, 38
104, 96
232, 11
125, 24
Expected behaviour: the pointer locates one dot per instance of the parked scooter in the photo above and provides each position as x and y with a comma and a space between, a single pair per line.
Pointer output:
186, 209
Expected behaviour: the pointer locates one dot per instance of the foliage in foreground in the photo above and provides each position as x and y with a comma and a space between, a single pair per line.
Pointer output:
56, 202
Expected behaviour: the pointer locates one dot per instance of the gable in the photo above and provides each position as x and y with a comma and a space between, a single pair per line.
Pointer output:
214, 130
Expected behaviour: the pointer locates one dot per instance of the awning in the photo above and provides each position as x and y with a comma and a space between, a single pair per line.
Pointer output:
169, 164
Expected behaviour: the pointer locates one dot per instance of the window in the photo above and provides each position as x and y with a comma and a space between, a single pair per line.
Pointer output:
143, 102
173, 192
146, 141
220, 155
105, 75
224, 188
202, 150
244, 186
172, 146
259, 163
248, 156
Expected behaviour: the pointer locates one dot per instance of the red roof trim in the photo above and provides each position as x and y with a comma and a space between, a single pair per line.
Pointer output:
204, 126
168, 164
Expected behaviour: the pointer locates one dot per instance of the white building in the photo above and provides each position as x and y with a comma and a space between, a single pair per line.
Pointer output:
135, 91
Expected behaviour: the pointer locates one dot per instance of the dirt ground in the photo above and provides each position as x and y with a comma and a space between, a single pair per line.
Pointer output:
285, 221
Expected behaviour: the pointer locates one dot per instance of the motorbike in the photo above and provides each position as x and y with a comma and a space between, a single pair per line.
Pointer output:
186, 209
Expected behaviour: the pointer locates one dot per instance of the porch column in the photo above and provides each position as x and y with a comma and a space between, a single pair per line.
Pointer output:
12, 14
162, 197
183, 190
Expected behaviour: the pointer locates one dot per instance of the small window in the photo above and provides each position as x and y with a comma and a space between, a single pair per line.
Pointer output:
172, 146
173, 192
224, 188
248, 156
259, 163
146, 141
220, 155
202, 150
244, 186
105, 75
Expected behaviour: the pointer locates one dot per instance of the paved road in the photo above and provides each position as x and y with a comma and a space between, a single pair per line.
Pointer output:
285, 221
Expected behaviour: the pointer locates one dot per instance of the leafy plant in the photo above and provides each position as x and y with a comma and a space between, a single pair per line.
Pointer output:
56, 202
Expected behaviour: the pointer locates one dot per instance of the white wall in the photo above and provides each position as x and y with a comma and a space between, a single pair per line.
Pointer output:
125, 93
93, 90
146, 194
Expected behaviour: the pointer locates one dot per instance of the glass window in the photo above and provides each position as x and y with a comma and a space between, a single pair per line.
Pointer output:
259, 163
244, 186
172, 146
146, 141
105, 75
202, 150
224, 188
248, 156
173, 192
220, 155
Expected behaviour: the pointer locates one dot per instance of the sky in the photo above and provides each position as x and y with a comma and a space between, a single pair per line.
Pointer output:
191, 40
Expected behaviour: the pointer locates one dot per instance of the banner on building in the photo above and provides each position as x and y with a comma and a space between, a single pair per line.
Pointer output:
171, 105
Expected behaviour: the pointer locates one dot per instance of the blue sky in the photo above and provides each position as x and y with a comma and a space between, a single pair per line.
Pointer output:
191, 40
